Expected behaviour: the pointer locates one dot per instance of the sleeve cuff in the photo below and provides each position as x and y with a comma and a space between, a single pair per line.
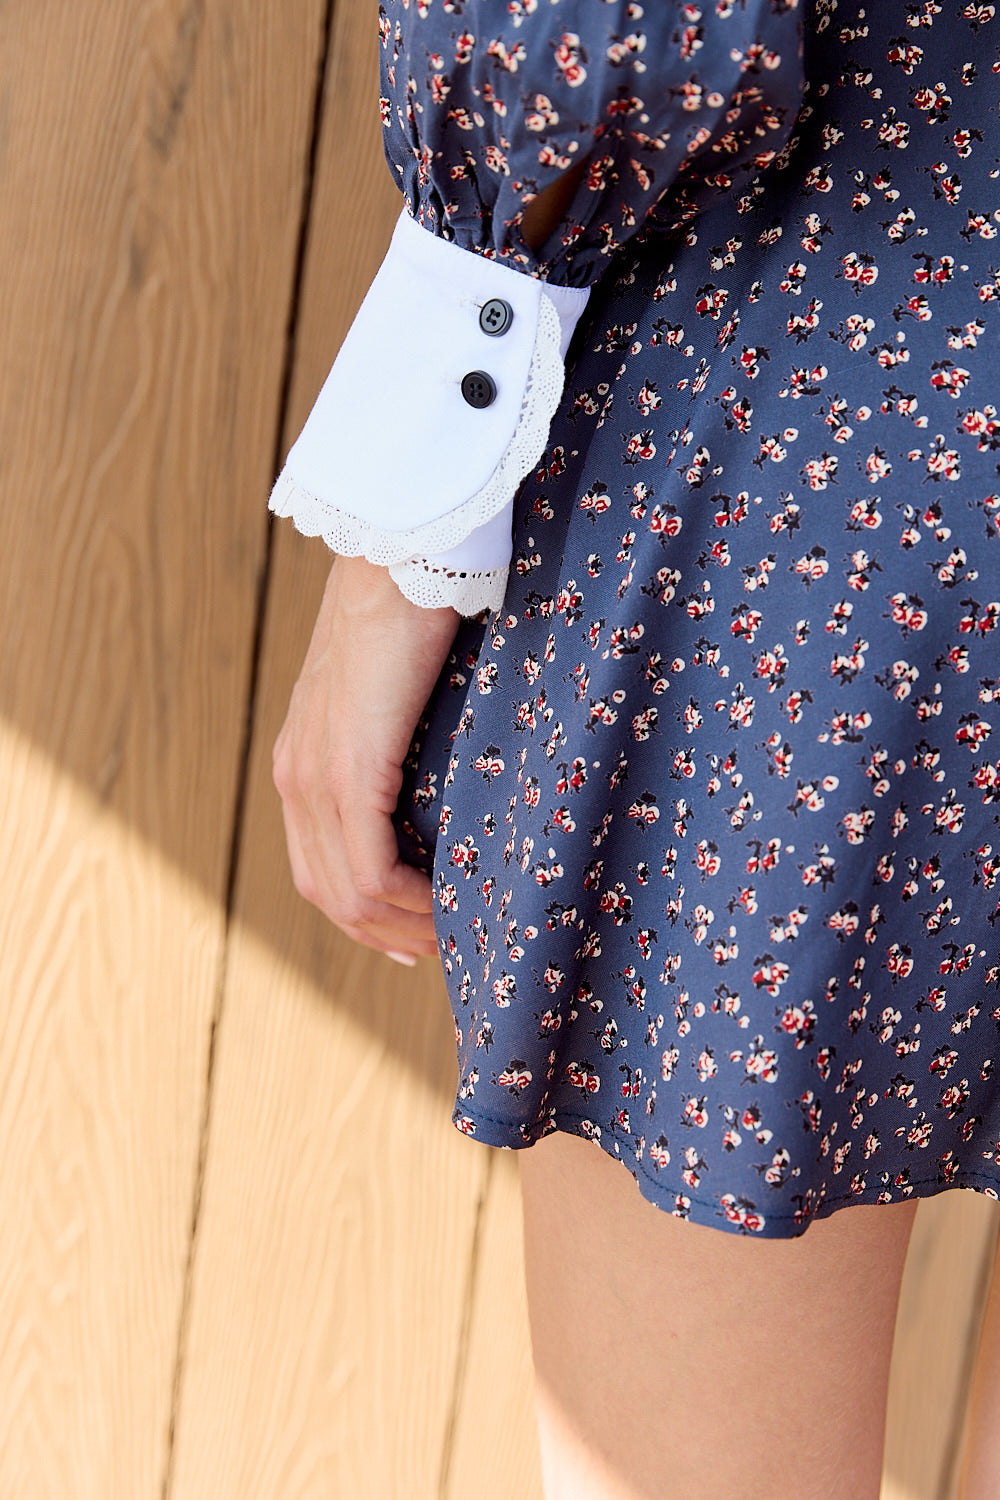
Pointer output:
438, 405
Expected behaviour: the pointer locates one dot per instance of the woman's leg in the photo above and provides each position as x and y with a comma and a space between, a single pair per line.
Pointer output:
673, 1360
981, 1459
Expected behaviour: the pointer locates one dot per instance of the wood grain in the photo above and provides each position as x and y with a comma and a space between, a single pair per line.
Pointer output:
494, 1450
334, 1247
937, 1329
342, 1309
452, 1364
340, 1204
151, 195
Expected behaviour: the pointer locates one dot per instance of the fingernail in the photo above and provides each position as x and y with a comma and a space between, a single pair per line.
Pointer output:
402, 958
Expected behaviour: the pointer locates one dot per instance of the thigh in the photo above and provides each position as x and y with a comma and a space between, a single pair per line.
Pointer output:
677, 1360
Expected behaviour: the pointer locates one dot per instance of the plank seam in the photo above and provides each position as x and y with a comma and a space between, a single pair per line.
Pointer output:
955, 1448
278, 454
247, 736
465, 1333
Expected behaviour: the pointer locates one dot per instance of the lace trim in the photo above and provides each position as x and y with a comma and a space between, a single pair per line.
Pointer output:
351, 536
432, 587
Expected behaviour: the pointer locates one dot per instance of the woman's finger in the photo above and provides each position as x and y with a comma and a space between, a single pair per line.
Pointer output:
401, 954
322, 875
371, 665
376, 869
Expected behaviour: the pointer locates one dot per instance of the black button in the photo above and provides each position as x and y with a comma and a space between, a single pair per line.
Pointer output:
478, 389
496, 317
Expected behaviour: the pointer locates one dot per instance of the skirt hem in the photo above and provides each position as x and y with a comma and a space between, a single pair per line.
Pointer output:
734, 1213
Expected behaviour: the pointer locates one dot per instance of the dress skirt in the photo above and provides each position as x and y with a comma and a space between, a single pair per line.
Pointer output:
712, 801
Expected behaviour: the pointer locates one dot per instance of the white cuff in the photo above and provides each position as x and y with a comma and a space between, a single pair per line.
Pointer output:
394, 463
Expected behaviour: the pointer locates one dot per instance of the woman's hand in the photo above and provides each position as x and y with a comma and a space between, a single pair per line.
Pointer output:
371, 666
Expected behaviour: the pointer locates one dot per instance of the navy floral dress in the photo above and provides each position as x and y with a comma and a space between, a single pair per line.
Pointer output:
713, 801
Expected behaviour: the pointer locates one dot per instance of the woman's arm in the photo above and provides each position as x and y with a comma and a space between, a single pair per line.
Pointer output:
583, 135
371, 666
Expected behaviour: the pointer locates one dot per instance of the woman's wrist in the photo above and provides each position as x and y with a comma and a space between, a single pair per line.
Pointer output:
368, 594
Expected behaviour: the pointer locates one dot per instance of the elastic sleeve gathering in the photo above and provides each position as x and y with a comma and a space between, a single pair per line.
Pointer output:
485, 103
440, 401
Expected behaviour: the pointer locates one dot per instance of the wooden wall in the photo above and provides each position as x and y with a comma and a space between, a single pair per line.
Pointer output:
243, 1254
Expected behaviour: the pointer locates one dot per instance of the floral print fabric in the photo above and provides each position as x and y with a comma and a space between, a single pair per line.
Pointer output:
486, 104
712, 801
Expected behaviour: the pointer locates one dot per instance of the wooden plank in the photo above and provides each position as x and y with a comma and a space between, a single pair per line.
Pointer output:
340, 1204
151, 194
494, 1450
338, 1212
940, 1311
375, 1307
937, 1329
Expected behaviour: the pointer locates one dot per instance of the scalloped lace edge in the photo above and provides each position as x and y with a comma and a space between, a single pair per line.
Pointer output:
352, 536
432, 587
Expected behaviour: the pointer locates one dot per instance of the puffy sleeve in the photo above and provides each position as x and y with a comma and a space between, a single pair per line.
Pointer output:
440, 400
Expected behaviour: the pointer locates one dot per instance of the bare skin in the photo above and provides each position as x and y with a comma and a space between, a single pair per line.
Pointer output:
542, 215
371, 665
675, 1360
